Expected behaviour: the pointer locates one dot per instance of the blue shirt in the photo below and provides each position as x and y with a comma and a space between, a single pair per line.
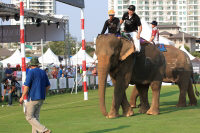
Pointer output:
27, 69
60, 74
37, 81
9, 71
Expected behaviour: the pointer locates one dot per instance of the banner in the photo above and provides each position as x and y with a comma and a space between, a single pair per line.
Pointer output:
62, 83
76, 3
70, 82
53, 83
11, 33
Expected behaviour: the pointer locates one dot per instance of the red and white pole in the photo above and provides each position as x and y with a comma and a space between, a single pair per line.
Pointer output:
22, 46
84, 56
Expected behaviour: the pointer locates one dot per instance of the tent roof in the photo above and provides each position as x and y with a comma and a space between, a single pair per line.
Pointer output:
14, 59
5, 52
146, 34
79, 57
190, 56
49, 57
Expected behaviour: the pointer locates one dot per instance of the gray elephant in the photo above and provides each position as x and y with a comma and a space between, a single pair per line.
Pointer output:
116, 57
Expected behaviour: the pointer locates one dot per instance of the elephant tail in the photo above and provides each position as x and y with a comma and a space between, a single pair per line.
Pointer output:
194, 82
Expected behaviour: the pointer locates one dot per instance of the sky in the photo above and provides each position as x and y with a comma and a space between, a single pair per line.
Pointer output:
96, 13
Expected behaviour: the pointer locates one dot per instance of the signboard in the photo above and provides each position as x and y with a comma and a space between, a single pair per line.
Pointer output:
76, 3
11, 33
62, 83
53, 83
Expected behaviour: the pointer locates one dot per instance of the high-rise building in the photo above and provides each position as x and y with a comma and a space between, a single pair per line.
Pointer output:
41, 6
184, 13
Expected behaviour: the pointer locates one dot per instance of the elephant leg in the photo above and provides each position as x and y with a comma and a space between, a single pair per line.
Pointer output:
183, 87
119, 91
127, 110
155, 86
193, 100
133, 97
143, 93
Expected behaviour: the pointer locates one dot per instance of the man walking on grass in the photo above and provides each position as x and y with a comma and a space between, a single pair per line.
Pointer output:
36, 85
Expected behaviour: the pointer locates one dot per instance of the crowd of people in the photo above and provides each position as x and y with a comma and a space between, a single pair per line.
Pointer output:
68, 71
14, 74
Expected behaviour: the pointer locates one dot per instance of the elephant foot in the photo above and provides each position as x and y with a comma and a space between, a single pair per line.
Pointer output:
143, 109
135, 106
181, 105
192, 104
112, 115
153, 111
128, 112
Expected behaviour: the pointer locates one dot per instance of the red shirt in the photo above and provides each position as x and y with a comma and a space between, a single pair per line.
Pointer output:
155, 33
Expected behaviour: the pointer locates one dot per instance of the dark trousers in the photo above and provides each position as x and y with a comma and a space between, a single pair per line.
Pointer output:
10, 98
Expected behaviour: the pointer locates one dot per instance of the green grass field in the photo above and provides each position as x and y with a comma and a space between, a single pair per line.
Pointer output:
65, 113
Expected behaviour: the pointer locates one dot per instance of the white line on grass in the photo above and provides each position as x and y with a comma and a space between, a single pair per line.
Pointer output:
61, 105
9, 115
44, 108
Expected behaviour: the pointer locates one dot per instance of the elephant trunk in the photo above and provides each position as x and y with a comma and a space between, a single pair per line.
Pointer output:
103, 68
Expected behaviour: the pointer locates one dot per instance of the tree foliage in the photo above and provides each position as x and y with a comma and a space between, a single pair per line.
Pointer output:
196, 54
186, 47
59, 48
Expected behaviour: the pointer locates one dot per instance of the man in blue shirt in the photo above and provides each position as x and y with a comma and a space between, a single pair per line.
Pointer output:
9, 72
36, 85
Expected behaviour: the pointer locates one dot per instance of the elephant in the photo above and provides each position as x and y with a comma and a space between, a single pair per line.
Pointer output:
117, 58
179, 71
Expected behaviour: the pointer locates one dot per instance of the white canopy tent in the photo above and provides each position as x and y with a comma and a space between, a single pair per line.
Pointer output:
49, 57
190, 56
78, 57
146, 34
94, 56
14, 59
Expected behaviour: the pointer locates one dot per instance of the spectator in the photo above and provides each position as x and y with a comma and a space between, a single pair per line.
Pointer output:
18, 73
63, 75
61, 70
94, 72
78, 69
54, 73
9, 72
12, 86
47, 72
69, 73
36, 85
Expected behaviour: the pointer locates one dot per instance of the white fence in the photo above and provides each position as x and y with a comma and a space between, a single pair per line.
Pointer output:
66, 83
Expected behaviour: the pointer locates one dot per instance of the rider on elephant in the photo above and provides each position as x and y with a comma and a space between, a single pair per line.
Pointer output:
133, 26
112, 24
155, 33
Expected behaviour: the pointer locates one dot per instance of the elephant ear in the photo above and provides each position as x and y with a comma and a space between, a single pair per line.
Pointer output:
127, 49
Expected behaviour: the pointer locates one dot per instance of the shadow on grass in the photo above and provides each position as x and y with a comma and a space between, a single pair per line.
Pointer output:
169, 93
108, 130
173, 108
168, 107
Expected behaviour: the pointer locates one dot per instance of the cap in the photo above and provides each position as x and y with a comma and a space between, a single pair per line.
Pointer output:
154, 23
17, 66
111, 12
131, 7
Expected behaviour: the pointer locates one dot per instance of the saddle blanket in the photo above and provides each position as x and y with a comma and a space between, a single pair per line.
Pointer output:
162, 47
